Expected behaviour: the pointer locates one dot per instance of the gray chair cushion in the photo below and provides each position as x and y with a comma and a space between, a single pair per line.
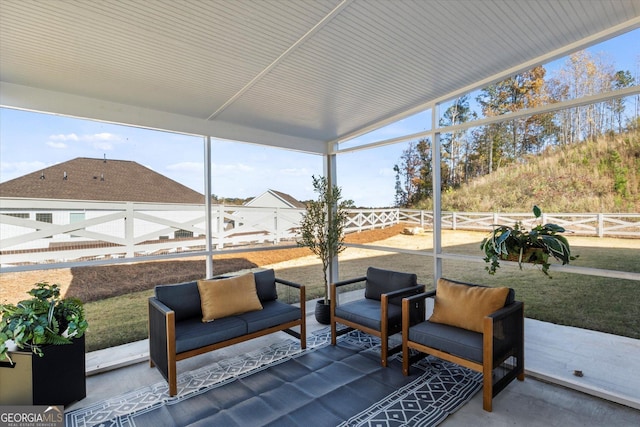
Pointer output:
183, 298
384, 281
193, 333
366, 312
266, 285
458, 341
273, 313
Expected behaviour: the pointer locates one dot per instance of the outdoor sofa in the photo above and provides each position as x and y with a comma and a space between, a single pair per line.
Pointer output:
478, 327
193, 318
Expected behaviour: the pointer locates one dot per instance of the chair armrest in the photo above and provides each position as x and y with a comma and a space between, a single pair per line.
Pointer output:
289, 283
158, 307
397, 295
508, 311
162, 338
349, 281
420, 297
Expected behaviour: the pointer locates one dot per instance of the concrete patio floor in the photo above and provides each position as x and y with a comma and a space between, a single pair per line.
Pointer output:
607, 393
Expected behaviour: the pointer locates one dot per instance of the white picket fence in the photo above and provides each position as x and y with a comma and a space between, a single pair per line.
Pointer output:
587, 224
35, 231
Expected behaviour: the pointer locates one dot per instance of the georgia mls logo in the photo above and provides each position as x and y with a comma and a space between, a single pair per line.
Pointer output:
31, 416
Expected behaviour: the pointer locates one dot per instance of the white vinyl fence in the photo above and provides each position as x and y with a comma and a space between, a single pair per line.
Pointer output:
36, 231
586, 224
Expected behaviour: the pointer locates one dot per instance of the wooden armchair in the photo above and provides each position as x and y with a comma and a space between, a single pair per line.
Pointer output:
379, 313
474, 326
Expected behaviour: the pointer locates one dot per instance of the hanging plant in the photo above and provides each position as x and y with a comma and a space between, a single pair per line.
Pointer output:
526, 246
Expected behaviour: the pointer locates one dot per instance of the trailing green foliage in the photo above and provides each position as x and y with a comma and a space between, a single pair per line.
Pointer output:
532, 246
41, 320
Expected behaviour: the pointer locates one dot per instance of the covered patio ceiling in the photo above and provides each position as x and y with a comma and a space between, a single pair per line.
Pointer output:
301, 74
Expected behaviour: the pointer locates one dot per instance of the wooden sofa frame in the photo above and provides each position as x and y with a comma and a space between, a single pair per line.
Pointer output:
162, 345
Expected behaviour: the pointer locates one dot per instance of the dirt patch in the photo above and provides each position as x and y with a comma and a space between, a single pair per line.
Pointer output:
95, 283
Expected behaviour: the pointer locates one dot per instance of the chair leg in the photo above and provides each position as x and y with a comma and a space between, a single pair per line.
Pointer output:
172, 376
487, 387
405, 358
384, 350
333, 332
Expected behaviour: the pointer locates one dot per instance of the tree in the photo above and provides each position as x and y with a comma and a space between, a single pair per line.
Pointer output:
455, 145
413, 174
322, 225
513, 139
621, 80
582, 74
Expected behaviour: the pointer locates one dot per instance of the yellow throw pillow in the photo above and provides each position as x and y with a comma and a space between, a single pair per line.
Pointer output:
226, 297
465, 306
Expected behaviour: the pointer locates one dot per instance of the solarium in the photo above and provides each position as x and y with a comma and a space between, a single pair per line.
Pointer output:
305, 76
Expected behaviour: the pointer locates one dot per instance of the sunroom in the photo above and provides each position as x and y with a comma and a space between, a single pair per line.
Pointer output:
313, 77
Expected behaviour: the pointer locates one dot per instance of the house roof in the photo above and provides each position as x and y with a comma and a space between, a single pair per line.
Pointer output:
287, 199
100, 179
300, 74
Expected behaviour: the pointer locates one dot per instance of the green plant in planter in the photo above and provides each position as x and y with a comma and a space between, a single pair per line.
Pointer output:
41, 320
322, 225
526, 246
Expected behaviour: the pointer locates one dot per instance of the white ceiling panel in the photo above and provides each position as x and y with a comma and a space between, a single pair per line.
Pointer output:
295, 74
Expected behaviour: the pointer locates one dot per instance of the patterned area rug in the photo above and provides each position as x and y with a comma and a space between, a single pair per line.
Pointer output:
281, 385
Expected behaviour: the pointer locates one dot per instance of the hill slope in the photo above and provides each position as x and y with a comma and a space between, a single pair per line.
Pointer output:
601, 176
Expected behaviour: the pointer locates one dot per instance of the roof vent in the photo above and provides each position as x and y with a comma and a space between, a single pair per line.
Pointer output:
102, 176
105, 158
64, 176
42, 176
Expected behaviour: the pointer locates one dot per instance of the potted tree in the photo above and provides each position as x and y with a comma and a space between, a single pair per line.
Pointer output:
526, 246
44, 337
322, 231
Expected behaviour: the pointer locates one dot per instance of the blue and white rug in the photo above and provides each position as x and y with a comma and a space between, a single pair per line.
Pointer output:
282, 385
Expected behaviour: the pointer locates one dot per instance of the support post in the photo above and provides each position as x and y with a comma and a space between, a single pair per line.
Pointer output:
207, 204
330, 166
437, 196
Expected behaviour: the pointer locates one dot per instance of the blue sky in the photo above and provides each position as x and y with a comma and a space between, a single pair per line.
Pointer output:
32, 141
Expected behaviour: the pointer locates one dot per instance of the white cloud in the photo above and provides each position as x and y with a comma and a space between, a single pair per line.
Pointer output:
61, 137
219, 169
103, 136
58, 145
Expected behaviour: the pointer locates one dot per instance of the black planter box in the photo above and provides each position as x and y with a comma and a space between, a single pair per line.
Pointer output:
57, 378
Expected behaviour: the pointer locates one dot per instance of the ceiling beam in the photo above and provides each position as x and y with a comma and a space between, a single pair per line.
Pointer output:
63, 104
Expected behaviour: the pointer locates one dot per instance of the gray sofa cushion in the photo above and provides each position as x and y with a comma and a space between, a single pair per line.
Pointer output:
183, 298
273, 313
384, 281
367, 312
193, 333
458, 341
266, 285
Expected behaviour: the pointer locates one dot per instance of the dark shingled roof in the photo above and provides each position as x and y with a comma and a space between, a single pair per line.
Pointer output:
100, 179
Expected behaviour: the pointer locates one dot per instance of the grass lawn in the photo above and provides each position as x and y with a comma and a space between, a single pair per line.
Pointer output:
590, 302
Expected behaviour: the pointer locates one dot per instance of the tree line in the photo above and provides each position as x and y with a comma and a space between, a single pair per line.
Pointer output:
479, 151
